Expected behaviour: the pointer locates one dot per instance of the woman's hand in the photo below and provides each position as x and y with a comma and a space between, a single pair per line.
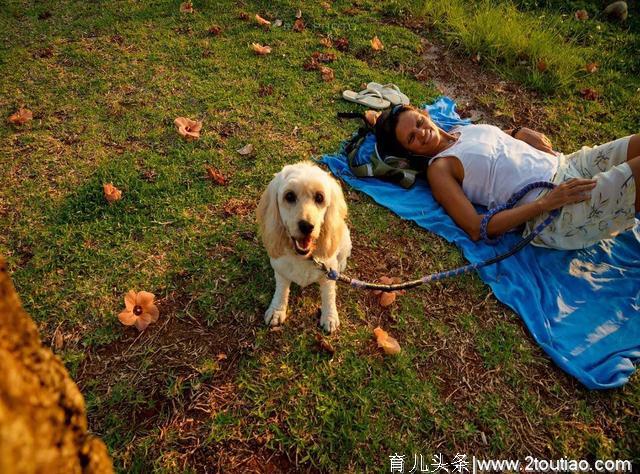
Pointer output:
569, 192
535, 139
371, 116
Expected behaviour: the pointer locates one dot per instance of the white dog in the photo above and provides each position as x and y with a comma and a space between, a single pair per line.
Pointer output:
302, 214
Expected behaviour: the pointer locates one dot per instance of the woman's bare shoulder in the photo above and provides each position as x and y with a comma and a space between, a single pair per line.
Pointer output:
448, 165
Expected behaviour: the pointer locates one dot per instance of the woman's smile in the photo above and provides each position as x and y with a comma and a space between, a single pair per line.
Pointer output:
418, 134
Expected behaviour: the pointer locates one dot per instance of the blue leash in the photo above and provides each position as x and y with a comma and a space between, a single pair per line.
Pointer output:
363, 285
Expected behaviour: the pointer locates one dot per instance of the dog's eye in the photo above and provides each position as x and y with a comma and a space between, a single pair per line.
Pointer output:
290, 197
319, 198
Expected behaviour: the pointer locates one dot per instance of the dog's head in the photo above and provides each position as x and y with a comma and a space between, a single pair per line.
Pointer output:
302, 211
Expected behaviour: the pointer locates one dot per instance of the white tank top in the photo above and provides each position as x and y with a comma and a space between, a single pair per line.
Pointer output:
496, 165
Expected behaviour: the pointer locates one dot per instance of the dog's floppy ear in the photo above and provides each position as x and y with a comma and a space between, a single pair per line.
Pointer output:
333, 224
274, 234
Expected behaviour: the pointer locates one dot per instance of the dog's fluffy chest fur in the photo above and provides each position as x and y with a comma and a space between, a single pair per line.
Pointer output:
302, 271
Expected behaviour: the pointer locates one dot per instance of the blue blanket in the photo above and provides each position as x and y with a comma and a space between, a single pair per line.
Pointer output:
582, 307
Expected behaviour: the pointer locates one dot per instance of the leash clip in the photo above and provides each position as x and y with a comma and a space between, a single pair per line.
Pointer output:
330, 272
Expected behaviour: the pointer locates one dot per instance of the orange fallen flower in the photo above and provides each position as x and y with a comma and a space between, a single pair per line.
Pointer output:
591, 67
260, 50
376, 44
187, 128
111, 193
140, 310
261, 21
389, 345
20, 117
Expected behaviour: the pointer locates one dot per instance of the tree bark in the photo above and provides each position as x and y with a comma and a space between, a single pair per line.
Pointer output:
43, 421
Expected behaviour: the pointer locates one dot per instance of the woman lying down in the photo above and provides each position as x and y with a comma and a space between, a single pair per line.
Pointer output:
481, 164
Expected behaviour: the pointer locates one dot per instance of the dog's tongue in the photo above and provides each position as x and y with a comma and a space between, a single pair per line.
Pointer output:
304, 243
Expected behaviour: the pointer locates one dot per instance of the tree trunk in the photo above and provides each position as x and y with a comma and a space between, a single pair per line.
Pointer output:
43, 422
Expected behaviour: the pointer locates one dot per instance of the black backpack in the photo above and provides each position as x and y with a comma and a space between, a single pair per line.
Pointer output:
399, 170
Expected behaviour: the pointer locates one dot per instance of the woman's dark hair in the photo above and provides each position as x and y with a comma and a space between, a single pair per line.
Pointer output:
385, 130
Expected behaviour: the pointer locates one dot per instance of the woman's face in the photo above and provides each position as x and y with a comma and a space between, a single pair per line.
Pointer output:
417, 133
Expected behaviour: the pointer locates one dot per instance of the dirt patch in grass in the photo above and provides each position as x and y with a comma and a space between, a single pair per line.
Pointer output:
167, 384
481, 95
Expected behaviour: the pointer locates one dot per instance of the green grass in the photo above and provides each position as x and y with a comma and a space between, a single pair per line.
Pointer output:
470, 379
516, 42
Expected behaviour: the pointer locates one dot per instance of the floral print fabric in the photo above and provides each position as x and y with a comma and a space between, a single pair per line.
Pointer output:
610, 210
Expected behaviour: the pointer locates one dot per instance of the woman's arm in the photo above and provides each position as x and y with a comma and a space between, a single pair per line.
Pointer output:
448, 192
535, 139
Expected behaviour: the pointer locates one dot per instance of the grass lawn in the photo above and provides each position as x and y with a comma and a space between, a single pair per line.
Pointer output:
208, 388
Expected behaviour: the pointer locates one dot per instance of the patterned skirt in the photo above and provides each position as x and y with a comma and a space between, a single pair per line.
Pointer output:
610, 210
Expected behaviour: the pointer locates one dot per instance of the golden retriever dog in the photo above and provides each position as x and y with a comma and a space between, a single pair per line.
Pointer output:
302, 214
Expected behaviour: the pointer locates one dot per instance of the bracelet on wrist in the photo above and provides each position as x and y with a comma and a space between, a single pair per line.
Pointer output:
515, 131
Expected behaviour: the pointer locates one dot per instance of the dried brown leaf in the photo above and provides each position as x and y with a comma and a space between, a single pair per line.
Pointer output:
324, 57
298, 25
386, 342
589, 94
327, 73
342, 44
58, 340
387, 299
186, 7
326, 42
591, 67
311, 64
324, 345
581, 15
111, 193
376, 44
262, 21
246, 150
260, 50
20, 117
214, 30
542, 65
216, 176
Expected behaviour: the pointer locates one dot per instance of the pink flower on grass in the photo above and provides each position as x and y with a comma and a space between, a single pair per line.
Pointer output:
140, 310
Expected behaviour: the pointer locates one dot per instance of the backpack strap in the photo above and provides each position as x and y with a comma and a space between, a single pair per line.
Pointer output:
390, 169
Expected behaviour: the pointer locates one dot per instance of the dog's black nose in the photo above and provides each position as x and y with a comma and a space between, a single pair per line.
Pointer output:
305, 227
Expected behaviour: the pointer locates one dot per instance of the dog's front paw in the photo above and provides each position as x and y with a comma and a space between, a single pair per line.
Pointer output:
329, 321
275, 317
